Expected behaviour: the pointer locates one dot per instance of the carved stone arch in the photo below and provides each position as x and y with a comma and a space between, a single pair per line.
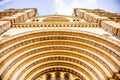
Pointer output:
66, 76
92, 41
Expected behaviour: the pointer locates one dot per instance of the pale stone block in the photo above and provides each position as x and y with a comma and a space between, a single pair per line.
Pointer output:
30, 12
81, 13
4, 25
12, 19
118, 34
21, 16
111, 26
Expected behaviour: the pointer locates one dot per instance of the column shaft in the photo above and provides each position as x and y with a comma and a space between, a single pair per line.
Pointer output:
53, 76
61, 76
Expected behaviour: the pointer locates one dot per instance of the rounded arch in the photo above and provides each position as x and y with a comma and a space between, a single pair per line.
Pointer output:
48, 77
59, 69
77, 44
66, 76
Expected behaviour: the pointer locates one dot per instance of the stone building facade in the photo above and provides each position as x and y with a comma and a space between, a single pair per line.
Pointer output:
83, 46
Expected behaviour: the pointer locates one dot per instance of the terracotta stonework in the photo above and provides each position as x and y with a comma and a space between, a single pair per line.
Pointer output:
83, 46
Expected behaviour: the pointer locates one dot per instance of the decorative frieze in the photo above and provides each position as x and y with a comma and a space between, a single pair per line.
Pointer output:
63, 71
56, 24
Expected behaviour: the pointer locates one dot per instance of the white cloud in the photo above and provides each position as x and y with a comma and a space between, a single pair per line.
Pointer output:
67, 6
4, 1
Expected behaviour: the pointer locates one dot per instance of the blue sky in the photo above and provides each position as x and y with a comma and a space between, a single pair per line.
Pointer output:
61, 6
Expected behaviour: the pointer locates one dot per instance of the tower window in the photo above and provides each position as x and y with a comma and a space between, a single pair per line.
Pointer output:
66, 77
57, 77
48, 77
37, 20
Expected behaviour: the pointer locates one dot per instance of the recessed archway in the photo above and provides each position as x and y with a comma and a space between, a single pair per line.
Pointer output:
92, 55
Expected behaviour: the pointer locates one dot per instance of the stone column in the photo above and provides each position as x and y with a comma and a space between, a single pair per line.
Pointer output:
71, 77
44, 77
53, 76
61, 75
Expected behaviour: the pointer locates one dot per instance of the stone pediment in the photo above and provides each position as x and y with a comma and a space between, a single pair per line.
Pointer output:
56, 18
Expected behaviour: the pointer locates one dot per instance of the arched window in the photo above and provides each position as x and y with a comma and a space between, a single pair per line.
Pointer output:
57, 77
77, 79
66, 77
48, 77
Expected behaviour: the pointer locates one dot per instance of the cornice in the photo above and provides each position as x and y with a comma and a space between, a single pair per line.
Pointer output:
55, 24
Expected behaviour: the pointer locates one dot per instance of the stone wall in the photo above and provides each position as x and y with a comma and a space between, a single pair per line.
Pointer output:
7, 21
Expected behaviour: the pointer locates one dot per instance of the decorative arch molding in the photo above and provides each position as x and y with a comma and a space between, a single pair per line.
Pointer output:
60, 69
58, 58
37, 50
59, 64
77, 45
